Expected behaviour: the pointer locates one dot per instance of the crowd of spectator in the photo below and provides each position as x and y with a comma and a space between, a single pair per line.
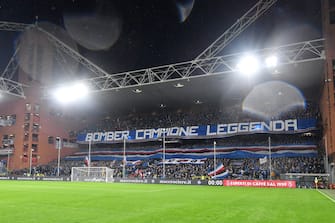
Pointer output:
201, 115
250, 168
255, 140
235, 168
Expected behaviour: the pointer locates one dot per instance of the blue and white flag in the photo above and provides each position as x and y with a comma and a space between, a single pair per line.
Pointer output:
263, 160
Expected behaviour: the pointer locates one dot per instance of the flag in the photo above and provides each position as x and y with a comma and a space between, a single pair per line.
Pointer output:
139, 172
263, 160
111, 165
86, 161
221, 175
184, 161
219, 169
132, 163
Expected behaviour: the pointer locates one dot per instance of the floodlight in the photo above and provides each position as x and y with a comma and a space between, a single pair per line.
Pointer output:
71, 93
62, 95
271, 61
80, 90
248, 65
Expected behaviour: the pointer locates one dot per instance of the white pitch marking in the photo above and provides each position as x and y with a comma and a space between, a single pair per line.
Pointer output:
326, 196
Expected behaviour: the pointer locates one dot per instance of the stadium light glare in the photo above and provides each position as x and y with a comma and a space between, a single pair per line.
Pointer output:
271, 61
80, 90
248, 65
71, 93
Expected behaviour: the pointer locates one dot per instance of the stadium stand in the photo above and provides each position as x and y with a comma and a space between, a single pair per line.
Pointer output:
193, 158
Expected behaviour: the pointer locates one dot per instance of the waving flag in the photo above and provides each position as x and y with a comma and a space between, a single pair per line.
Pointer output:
219, 169
221, 175
263, 160
133, 163
86, 161
139, 172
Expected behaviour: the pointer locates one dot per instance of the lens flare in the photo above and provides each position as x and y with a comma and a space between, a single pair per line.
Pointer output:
41, 60
273, 99
184, 8
94, 32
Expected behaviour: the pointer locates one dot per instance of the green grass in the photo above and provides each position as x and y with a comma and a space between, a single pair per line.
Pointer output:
34, 202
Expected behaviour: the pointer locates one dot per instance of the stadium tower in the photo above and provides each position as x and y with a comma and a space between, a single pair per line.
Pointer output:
29, 127
327, 102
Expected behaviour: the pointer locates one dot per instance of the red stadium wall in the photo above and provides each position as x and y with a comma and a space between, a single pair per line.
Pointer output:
327, 102
32, 135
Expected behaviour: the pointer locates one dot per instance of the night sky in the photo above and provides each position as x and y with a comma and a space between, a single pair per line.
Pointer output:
126, 35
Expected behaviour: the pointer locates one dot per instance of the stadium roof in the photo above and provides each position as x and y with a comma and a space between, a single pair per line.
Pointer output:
219, 90
154, 34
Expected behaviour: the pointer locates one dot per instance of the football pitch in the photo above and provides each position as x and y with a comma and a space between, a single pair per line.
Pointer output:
34, 202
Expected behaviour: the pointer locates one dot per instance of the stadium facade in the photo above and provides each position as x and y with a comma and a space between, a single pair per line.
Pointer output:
29, 128
327, 102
